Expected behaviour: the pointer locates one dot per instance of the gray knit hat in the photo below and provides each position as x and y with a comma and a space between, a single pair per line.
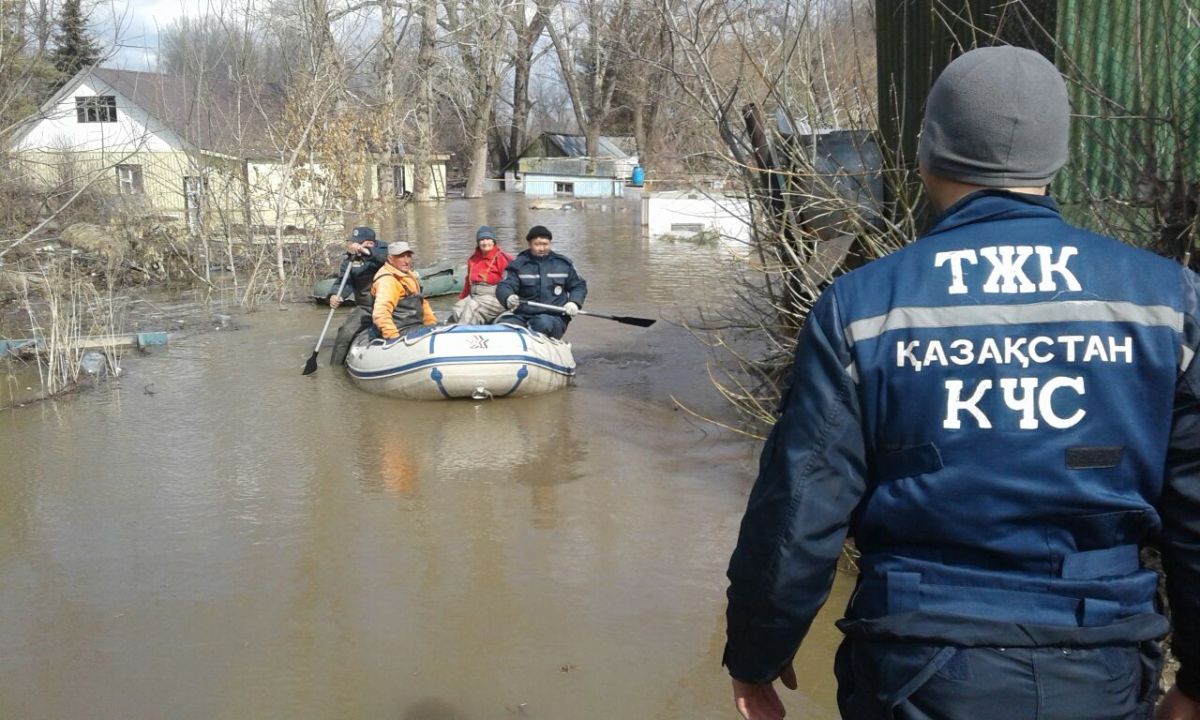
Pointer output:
996, 117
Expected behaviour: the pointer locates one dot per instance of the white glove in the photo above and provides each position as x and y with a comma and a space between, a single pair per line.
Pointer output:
571, 309
513, 301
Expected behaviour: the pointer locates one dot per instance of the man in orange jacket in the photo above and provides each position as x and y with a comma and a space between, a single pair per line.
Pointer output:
399, 304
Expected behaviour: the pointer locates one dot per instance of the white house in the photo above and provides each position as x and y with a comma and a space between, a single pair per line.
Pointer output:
142, 137
168, 146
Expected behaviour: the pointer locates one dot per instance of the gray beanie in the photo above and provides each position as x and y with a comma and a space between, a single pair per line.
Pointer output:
996, 117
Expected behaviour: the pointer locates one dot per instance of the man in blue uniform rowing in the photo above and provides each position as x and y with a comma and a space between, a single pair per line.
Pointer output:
544, 277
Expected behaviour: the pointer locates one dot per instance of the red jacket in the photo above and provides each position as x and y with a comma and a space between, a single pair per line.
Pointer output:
485, 268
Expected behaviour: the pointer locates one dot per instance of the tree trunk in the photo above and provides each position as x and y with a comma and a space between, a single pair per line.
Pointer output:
498, 153
520, 98
423, 157
593, 139
478, 150
477, 174
527, 32
387, 43
520, 101
639, 131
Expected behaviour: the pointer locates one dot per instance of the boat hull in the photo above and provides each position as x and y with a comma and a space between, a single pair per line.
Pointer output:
462, 361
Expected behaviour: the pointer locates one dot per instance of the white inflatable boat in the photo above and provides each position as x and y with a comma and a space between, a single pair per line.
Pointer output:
461, 361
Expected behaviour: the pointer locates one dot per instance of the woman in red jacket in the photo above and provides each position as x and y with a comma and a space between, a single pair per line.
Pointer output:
477, 304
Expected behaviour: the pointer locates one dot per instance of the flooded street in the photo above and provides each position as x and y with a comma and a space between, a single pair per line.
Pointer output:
220, 537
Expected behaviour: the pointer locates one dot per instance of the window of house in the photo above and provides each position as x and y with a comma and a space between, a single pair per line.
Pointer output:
96, 109
129, 180
564, 188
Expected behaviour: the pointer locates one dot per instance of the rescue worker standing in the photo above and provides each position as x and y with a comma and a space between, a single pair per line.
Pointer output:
399, 304
541, 275
1002, 414
364, 256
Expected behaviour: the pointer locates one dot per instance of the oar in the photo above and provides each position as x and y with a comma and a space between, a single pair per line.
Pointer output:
310, 367
626, 319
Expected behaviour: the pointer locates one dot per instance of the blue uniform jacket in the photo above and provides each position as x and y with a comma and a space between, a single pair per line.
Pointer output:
1001, 414
551, 280
362, 274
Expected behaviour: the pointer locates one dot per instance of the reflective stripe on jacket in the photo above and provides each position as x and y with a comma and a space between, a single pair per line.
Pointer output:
1001, 414
399, 304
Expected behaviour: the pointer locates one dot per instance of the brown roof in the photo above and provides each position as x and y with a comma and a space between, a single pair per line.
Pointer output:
216, 115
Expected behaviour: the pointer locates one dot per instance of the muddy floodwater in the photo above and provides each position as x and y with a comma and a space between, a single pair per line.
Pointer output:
216, 536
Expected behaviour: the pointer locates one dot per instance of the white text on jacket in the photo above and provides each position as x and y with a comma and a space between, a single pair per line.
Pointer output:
1008, 268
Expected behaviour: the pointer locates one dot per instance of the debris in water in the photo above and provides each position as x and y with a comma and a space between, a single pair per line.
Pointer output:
92, 363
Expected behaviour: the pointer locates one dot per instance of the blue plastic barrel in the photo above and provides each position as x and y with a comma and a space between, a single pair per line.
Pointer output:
638, 176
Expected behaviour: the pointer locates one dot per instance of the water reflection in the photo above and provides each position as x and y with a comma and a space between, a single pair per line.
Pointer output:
390, 463
432, 709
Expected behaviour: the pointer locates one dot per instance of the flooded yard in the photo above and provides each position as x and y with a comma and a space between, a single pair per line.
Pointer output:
217, 536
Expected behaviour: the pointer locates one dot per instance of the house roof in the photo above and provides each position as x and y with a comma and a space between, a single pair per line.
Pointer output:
576, 145
215, 115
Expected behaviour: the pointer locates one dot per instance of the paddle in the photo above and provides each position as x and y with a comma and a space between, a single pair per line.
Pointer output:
310, 367
626, 319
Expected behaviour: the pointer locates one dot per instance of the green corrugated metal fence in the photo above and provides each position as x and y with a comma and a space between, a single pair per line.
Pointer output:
1133, 71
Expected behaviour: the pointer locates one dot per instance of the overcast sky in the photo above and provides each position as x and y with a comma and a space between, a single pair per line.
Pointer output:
133, 26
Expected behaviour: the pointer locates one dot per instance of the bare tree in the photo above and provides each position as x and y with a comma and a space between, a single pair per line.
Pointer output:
477, 28
587, 46
26, 73
387, 74
762, 75
423, 117
643, 80
527, 22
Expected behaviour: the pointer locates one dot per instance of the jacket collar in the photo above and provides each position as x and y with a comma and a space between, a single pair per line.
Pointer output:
987, 205
481, 255
387, 269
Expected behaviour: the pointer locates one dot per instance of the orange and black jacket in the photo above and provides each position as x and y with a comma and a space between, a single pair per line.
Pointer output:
399, 304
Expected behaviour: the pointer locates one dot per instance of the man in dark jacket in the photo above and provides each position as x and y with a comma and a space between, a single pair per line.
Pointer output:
543, 276
1002, 414
364, 257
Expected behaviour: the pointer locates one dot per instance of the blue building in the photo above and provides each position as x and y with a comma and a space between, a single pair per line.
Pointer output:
556, 165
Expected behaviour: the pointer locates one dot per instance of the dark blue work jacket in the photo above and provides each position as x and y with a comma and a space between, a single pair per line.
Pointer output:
551, 280
362, 274
1001, 414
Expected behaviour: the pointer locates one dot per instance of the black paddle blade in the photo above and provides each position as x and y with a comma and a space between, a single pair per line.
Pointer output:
310, 367
640, 322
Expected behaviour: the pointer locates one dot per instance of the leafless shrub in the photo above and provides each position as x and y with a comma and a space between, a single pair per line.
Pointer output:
814, 197
792, 95
63, 310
